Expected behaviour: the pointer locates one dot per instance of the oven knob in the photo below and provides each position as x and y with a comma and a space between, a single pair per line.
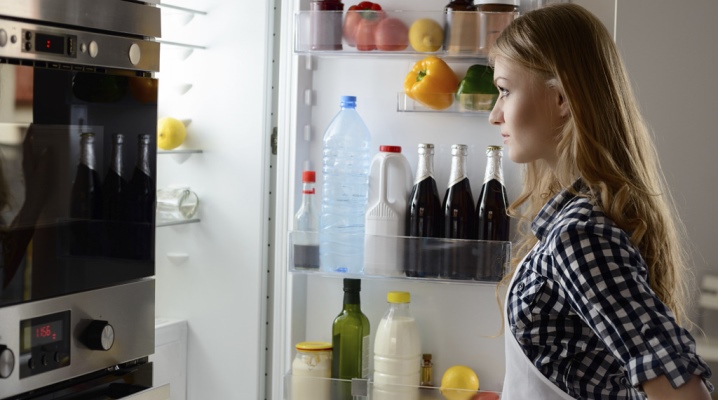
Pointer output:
134, 54
99, 335
3, 37
7, 361
94, 49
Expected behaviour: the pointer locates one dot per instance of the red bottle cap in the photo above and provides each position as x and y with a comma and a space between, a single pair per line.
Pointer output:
309, 176
390, 149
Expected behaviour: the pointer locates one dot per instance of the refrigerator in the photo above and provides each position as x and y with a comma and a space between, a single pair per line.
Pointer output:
256, 104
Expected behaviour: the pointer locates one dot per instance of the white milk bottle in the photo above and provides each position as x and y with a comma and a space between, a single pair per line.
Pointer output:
397, 352
390, 182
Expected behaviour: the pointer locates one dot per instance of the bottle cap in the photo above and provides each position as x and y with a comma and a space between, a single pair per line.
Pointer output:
398, 297
426, 148
351, 284
309, 176
348, 101
313, 346
493, 149
390, 149
426, 356
457, 149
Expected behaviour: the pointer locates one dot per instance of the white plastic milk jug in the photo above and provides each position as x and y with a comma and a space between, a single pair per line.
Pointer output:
390, 181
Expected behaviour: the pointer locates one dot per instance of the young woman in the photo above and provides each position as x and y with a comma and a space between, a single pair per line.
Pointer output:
595, 306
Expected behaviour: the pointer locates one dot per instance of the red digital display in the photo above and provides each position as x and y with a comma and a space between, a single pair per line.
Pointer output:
49, 43
46, 333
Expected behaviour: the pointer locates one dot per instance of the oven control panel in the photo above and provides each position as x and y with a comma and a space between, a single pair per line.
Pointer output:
44, 343
40, 42
48, 341
55, 46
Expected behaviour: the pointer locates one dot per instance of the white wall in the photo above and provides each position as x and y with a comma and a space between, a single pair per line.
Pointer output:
671, 54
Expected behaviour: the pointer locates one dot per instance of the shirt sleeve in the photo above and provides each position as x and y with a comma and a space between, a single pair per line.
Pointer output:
607, 285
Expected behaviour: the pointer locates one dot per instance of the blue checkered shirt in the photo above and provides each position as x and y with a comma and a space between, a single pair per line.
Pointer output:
584, 314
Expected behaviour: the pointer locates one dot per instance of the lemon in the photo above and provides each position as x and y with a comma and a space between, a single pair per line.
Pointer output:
171, 133
459, 383
426, 35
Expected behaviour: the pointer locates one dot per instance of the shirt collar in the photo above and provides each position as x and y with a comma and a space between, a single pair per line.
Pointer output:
545, 218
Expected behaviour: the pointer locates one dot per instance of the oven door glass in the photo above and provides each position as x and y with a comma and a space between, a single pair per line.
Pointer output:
77, 170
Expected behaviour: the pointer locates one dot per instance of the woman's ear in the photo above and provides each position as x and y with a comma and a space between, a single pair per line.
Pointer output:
562, 103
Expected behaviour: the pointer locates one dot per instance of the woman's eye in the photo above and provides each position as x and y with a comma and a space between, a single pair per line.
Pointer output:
502, 92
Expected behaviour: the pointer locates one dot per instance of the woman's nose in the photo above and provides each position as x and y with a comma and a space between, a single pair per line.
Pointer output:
496, 116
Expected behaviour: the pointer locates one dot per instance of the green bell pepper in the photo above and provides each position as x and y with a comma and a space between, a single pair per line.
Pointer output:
476, 91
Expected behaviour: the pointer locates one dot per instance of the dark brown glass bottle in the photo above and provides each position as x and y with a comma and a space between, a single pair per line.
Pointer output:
140, 203
461, 27
141, 190
86, 196
492, 218
114, 184
424, 218
86, 203
459, 219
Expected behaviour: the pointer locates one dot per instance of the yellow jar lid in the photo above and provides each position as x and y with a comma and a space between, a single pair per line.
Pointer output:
313, 346
398, 297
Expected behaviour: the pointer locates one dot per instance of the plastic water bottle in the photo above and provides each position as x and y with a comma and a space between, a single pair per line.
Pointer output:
390, 181
345, 190
397, 352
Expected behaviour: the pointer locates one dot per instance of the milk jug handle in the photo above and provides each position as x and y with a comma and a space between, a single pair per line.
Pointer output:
382, 181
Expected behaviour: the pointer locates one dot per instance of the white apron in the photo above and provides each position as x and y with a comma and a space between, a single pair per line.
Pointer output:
523, 380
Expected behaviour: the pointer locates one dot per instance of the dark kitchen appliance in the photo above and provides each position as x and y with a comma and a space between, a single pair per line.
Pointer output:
76, 290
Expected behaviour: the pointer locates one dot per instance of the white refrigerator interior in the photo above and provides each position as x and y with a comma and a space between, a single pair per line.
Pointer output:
227, 274
460, 323
213, 273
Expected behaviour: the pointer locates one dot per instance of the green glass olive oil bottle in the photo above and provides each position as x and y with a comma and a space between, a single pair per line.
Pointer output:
350, 340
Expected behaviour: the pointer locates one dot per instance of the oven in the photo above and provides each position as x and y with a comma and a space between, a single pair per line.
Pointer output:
78, 117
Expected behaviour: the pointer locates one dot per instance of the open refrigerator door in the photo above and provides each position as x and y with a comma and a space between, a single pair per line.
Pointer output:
460, 321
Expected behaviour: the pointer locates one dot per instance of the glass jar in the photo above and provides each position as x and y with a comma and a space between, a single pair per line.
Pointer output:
460, 27
311, 371
326, 24
494, 16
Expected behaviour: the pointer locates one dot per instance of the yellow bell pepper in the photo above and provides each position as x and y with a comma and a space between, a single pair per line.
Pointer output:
432, 83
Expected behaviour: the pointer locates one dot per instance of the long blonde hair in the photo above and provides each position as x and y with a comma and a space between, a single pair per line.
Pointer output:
604, 141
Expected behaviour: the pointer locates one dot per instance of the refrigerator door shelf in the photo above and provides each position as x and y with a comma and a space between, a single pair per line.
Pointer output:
316, 29
466, 104
180, 155
490, 259
307, 387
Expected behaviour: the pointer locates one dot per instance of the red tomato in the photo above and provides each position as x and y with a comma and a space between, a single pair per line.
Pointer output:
355, 15
391, 35
365, 34
351, 22
485, 396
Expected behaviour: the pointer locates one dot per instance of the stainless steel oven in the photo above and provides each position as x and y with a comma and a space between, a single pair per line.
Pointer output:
78, 115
